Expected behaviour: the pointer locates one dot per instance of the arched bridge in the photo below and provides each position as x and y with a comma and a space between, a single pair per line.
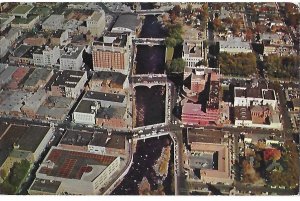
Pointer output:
149, 80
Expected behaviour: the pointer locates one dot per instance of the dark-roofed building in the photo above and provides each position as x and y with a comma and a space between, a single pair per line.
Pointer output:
79, 172
254, 95
85, 112
106, 99
76, 140
68, 83
23, 142
108, 82
44, 187
127, 23
108, 143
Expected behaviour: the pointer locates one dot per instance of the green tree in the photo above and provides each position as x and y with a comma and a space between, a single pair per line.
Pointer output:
177, 65
170, 42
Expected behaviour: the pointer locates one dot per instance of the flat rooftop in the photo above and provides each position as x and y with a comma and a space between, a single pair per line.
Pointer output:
104, 96
37, 75
45, 185
8, 139
74, 165
116, 141
32, 138
85, 106
112, 77
68, 78
77, 138
205, 136
22, 9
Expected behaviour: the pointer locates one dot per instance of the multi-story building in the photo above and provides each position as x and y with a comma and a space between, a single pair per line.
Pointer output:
60, 37
75, 172
71, 58
249, 96
209, 156
37, 79
22, 10
29, 143
111, 54
27, 24
4, 46
54, 22
68, 83
127, 23
235, 45
196, 113
32, 104
35, 41
46, 56
109, 82
96, 23
193, 52
5, 21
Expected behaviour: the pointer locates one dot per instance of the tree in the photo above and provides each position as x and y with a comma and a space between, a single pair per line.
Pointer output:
189, 8
177, 65
177, 10
217, 23
170, 42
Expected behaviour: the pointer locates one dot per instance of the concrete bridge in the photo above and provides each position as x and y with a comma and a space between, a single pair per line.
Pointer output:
151, 12
149, 41
149, 80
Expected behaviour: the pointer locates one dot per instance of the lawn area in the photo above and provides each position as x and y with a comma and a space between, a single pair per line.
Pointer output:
169, 54
22, 9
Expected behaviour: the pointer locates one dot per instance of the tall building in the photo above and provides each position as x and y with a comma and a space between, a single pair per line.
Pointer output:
71, 58
96, 23
111, 54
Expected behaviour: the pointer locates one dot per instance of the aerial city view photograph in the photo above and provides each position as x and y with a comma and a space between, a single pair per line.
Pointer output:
149, 98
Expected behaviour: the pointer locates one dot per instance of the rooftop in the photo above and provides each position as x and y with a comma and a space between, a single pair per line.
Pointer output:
205, 136
93, 95
112, 112
235, 42
72, 52
112, 77
242, 113
128, 21
32, 138
68, 78
117, 40
74, 165
45, 185
22, 9
37, 75
76, 138
8, 139
85, 106
113, 140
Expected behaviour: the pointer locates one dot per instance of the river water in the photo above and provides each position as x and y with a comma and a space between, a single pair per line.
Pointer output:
147, 152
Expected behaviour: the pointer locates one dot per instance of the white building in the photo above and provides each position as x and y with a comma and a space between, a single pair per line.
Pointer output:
86, 174
193, 52
71, 58
46, 56
53, 23
85, 112
4, 46
96, 23
254, 96
235, 45
5, 21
